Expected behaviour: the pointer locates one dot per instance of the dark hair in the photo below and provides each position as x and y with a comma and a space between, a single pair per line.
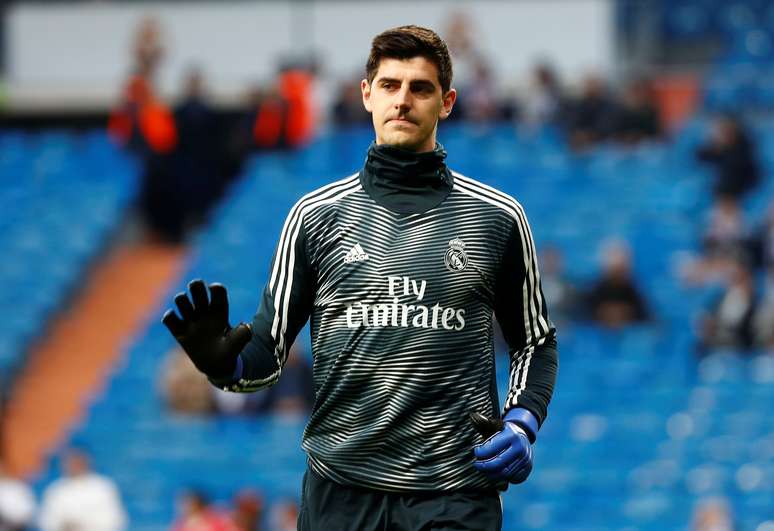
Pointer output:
406, 42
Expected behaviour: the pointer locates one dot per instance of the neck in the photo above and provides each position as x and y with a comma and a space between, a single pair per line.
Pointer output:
406, 181
429, 145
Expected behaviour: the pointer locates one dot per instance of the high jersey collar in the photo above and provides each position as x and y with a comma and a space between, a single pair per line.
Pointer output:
406, 182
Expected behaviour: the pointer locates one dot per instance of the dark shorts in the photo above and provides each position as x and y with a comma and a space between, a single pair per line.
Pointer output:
328, 506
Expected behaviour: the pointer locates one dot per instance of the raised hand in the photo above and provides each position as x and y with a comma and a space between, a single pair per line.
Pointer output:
203, 330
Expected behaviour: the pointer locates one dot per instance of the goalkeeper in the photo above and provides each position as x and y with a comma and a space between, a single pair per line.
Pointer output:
400, 269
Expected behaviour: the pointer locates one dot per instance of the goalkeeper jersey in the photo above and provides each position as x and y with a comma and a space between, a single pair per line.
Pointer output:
400, 269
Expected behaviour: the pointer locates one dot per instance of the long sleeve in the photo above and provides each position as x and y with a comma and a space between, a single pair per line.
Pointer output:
520, 308
285, 306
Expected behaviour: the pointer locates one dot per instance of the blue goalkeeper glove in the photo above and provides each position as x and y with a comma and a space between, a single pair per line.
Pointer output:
506, 455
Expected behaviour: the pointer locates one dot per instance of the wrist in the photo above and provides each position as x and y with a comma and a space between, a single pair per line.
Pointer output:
524, 419
225, 382
223, 369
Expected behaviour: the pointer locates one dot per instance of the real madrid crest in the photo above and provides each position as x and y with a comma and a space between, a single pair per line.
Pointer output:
455, 257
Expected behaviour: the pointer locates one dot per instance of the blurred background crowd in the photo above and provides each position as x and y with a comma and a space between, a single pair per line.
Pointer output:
642, 151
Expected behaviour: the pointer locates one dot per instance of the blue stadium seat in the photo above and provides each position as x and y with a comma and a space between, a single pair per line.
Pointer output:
58, 204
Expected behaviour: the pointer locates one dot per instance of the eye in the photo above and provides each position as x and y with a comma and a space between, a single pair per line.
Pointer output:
424, 89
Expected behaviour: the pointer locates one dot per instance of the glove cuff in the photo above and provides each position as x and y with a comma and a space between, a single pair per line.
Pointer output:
524, 419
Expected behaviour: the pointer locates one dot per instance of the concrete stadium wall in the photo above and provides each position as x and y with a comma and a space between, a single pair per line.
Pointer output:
77, 55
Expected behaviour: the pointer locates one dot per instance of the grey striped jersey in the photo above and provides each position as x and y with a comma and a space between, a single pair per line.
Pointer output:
401, 309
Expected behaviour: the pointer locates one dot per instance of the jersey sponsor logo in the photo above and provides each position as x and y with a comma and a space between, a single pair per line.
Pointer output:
395, 313
356, 254
455, 257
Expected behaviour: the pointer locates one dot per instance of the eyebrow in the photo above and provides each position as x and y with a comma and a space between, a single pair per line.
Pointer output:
413, 83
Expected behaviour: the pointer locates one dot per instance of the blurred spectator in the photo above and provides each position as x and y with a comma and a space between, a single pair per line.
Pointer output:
285, 516
181, 186
17, 502
240, 139
614, 299
248, 511
472, 75
284, 115
544, 98
198, 515
729, 320
162, 203
141, 122
637, 117
293, 394
590, 117
479, 97
762, 241
144, 124
148, 48
461, 43
726, 240
561, 295
763, 320
731, 152
348, 108
269, 123
296, 85
81, 499
227, 403
712, 515
726, 236
185, 389
199, 149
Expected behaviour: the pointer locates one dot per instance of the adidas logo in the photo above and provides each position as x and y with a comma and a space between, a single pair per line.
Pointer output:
356, 254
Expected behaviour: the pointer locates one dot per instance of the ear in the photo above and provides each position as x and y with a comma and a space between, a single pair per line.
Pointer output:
365, 89
447, 103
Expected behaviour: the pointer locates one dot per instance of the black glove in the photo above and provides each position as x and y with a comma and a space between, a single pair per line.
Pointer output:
204, 332
484, 425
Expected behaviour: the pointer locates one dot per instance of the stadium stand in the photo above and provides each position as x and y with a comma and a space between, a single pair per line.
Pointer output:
63, 197
639, 431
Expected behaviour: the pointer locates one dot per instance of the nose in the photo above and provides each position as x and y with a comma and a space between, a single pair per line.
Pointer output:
403, 99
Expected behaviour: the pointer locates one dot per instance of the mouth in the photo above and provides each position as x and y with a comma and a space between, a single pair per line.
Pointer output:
401, 121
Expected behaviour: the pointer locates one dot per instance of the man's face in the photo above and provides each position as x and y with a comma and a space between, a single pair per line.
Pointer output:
406, 101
